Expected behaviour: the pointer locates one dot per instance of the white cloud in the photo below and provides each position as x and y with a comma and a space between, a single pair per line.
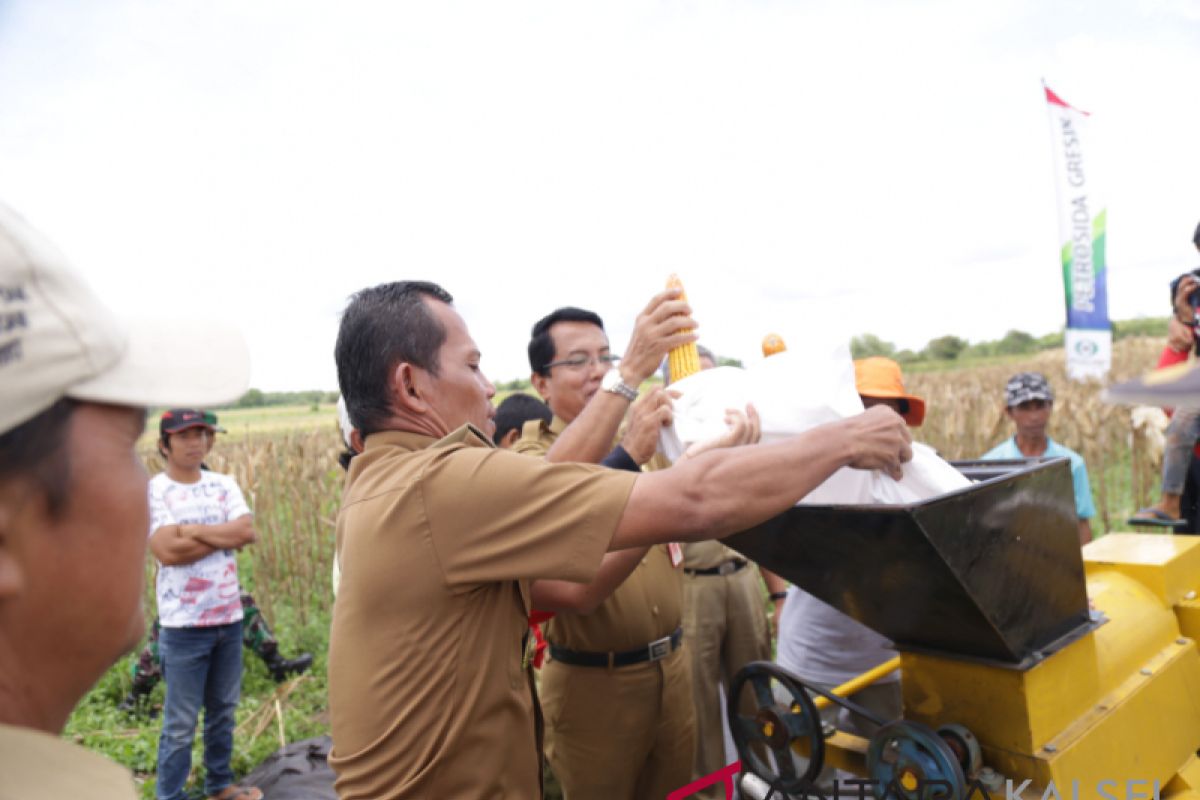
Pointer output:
865, 166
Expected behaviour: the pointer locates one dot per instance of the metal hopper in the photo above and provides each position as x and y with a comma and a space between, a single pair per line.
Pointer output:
991, 571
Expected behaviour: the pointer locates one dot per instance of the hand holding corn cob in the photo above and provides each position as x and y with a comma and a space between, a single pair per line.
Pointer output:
664, 323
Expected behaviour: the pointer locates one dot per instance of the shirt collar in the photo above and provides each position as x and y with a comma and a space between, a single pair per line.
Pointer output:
410, 440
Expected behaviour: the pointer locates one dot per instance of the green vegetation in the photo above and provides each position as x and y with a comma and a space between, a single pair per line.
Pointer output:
256, 398
952, 351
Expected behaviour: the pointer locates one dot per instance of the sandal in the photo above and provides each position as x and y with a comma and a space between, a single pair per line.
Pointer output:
235, 792
1155, 516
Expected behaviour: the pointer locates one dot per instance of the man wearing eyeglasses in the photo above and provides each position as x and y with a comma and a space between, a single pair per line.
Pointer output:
617, 689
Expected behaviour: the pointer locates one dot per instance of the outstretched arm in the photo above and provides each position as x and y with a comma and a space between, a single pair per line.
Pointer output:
723, 491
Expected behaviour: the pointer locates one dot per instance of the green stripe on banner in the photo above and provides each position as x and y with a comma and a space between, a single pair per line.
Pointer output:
1068, 284
1099, 237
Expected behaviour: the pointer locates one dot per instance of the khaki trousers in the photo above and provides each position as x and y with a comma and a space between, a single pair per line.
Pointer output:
725, 627
620, 734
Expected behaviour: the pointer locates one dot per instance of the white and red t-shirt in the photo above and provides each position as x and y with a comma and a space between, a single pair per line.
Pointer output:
205, 592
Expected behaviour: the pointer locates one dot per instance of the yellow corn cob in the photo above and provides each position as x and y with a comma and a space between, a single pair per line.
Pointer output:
685, 359
772, 343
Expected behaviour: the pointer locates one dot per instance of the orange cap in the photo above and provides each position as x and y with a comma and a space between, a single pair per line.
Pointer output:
773, 343
880, 377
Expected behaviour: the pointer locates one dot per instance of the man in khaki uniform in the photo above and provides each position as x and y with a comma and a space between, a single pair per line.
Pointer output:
430, 693
74, 384
617, 687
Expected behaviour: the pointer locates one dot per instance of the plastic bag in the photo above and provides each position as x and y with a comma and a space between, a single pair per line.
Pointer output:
793, 392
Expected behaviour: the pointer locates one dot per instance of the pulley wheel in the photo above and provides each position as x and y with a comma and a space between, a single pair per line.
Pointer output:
783, 715
909, 760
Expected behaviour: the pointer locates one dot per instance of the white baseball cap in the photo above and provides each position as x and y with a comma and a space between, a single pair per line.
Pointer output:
58, 340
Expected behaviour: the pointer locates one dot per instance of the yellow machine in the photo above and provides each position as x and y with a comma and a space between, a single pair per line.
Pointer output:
1014, 684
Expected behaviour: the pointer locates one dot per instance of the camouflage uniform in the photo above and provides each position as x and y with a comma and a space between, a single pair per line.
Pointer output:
256, 634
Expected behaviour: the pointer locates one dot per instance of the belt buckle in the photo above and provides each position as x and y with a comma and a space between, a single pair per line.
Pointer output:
727, 568
659, 648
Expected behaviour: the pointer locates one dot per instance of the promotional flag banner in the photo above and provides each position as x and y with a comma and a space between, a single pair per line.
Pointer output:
1081, 226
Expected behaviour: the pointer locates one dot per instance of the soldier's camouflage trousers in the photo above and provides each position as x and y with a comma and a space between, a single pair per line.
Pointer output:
256, 634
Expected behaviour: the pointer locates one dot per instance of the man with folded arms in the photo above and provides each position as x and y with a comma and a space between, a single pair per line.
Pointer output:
440, 534
198, 519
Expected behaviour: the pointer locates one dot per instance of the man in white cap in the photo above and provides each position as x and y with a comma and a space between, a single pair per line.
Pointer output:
74, 386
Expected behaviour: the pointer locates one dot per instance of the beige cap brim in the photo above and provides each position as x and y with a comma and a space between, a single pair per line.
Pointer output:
179, 362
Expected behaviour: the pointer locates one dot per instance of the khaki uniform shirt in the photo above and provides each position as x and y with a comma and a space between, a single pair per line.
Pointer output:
709, 554
34, 764
646, 607
437, 540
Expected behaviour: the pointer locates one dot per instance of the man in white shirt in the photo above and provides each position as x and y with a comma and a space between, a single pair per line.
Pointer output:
198, 519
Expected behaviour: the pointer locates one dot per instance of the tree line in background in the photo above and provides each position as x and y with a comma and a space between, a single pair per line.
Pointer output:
941, 349
954, 348
256, 398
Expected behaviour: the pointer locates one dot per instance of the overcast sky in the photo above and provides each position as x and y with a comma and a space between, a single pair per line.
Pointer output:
838, 166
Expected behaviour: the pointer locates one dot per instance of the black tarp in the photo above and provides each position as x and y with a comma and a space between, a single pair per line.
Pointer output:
298, 771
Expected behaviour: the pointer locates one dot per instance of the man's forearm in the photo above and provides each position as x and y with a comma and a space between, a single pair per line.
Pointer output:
775, 584
722, 492
173, 548
590, 436
584, 598
222, 536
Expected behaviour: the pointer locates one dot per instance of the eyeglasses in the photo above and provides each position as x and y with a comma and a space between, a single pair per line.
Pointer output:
581, 361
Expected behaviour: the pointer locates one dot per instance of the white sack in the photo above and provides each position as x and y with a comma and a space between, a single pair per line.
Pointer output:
794, 391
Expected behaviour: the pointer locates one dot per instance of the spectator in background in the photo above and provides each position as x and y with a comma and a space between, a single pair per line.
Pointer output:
198, 519
1029, 402
256, 635
513, 413
1179, 471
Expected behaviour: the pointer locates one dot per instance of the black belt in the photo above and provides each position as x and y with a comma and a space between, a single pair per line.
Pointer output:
724, 568
655, 651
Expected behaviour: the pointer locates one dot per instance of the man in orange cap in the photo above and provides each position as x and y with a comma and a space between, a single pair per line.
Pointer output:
879, 382
822, 645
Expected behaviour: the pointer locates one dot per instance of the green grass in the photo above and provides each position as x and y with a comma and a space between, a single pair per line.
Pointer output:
133, 741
